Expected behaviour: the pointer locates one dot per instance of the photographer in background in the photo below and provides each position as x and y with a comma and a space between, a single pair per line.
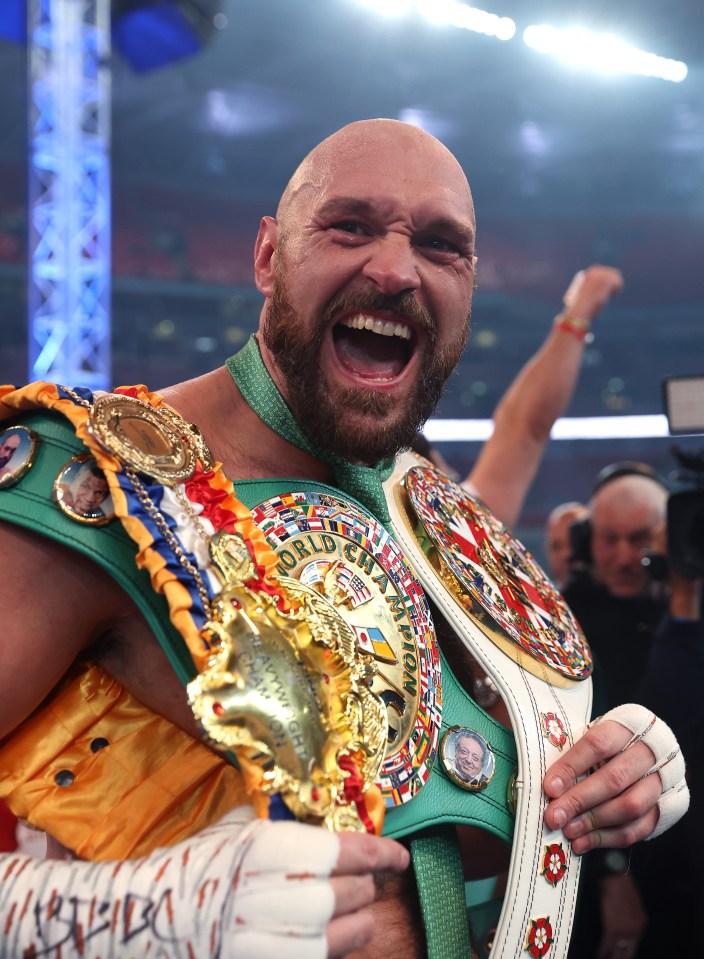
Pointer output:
647, 636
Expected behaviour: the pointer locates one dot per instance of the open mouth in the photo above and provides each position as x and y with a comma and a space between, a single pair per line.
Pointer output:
372, 348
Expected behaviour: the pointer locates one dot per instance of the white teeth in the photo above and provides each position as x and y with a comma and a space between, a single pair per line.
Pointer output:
383, 327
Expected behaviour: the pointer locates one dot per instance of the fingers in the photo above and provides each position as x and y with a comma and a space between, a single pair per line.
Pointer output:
615, 805
619, 822
591, 289
350, 932
599, 744
361, 853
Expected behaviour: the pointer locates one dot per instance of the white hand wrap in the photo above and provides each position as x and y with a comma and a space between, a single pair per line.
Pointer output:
669, 762
244, 888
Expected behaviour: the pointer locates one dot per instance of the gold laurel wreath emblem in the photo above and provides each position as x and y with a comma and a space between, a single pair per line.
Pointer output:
289, 691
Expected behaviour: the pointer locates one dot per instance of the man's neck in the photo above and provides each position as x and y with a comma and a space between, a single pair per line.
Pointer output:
236, 436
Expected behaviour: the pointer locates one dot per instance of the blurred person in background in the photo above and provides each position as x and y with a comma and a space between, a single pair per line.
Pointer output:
558, 543
647, 636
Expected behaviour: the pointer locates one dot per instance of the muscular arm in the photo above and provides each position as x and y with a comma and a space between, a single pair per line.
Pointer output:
53, 604
540, 393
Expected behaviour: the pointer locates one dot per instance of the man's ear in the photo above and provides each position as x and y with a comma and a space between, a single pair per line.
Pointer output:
264, 250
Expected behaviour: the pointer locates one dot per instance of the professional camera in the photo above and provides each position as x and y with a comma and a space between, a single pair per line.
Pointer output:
684, 406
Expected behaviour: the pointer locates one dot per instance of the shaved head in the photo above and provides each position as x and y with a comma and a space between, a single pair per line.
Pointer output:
357, 143
625, 514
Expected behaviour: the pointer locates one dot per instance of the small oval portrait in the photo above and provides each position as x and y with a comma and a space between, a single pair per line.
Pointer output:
468, 758
81, 491
18, 448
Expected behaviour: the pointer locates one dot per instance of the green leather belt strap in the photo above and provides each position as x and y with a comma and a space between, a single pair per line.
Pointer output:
440, 880
441, 801
30, 504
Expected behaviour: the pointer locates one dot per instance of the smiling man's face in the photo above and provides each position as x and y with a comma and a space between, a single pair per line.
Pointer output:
368, 274
469, 757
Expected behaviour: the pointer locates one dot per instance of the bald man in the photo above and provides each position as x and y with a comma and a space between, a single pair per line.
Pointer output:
367, 274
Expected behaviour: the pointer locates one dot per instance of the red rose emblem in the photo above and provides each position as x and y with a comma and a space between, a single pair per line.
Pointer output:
553, 730
554, 863
539, 937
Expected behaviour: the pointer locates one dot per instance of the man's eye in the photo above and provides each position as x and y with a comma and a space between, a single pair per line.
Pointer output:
349, 226
437, 244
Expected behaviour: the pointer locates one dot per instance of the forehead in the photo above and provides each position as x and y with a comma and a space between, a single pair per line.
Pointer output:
628, 504
398, 174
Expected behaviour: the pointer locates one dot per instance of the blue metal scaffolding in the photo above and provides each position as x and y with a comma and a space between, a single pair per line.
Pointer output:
69, 192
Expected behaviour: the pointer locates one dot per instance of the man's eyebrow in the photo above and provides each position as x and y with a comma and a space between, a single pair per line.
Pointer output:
348, 205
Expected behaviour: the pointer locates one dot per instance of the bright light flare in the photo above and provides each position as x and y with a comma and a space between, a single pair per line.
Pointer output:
466, 18
567, 428
601, 52
389, 8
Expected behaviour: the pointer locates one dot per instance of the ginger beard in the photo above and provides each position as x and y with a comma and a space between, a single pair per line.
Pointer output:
361, 425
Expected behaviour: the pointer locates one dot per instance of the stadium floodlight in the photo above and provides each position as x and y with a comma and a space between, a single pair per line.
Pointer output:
567, 428
601, 52
467, 18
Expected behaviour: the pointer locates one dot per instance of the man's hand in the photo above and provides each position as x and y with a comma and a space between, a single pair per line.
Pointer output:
361, 855
590, 291
617, 804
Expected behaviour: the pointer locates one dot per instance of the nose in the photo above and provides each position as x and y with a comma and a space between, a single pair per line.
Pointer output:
391, 265
626, 554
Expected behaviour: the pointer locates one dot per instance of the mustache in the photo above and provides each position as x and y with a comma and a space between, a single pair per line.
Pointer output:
402, 305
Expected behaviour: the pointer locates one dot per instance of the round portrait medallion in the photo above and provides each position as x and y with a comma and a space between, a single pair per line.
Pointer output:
468, 758
82, 493
18, 449
345, 554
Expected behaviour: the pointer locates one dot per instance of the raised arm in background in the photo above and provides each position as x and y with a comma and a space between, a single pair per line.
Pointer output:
540, 393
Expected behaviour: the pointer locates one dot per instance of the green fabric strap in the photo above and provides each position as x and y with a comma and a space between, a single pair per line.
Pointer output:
255, 384
440, 880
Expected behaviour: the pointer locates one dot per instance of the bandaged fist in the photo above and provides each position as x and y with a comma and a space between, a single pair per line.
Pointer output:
244, 887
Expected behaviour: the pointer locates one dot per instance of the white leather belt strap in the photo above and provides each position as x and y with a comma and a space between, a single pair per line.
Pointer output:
540, 898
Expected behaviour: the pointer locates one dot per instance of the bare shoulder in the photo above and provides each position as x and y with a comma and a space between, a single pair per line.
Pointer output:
54, 603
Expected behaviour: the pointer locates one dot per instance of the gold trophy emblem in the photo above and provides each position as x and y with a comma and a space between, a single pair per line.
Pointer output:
289, 691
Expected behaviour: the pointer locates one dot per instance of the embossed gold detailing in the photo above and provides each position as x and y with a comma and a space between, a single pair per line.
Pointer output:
289, 691
345, 555
157, 442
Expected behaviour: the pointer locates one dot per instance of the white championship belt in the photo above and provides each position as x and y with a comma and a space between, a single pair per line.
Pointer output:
518, 628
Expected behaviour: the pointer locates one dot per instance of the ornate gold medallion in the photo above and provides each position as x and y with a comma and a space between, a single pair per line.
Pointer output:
289, 692
344, 554
156, 442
